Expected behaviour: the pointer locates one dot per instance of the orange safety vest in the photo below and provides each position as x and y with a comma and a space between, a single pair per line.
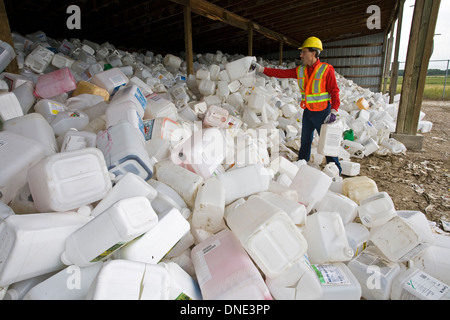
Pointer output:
314, 93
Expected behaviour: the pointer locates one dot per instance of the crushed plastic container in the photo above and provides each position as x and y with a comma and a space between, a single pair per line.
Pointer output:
61, 286
338, 282
107, 232
39, 59
209, 205
244, 181
9, 106
358, 236
124, 150
17, 155
376, 209
434, 260
268, 235
326, 238
69, 180
359, 188
333, 201
403, 237
415, 284
159, 107
110, 80
49, 108
84, 87
55, 83
300, 282
34, 127
203, 152
32, 243
311, 185
154, 245
375, 273
224, 270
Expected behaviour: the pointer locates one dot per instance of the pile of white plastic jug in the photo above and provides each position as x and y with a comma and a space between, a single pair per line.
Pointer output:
121, 177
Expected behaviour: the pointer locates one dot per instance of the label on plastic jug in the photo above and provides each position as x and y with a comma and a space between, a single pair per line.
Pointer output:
111, 250
330, 275
55, 108
204, 273
423, 285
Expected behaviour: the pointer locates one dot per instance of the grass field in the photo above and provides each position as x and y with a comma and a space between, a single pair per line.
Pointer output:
434, 87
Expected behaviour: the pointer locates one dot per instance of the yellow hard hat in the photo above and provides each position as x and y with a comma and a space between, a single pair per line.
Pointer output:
312, 42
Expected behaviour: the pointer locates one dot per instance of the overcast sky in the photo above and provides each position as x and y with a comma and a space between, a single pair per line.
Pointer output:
441, 39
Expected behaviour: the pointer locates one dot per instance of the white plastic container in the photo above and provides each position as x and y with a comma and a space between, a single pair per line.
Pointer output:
163, 129
71, 283
9, 106
183, 181
415, 284
25, 95
370, 146
268, 235
239, 68
359, 188
333, 201
167, 198
111, 80
124, 221
130, 185
17, 155
375, 273
182, 285
131, 280
39, 59
133, 94
326, 238
124, 150
159, 107
153, 246
358, 236
330, 139
296, 211
7, 54
32, 243
209, 205
350, 168
125, 111
300, 282
76, 140
355, 149
376, 209
244, 181
61, 61
338, 282
18, 290
215, 117
402, 238
69, 180
49, 108
311, 185
34, 127
202, 153
434, 260
224, 270
66, 120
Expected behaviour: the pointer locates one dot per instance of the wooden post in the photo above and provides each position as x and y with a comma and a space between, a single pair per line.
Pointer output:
395, 63
387, 64
5, 35
250, 39
188, 40
417, 60
280, 57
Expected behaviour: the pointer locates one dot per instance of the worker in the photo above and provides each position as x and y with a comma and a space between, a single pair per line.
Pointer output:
320, 93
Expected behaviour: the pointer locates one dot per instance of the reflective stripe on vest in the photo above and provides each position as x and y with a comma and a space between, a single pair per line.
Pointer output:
314, 100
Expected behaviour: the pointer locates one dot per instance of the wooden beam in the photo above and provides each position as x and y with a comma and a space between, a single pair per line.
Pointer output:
250, 39
5, 35
417, 61
215, 12
188, 40
395, 63
280, 54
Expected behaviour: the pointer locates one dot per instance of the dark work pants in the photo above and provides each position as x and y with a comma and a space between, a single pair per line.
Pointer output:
312, 120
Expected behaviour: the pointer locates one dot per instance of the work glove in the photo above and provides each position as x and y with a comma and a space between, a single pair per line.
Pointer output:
331, 117
257, 67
